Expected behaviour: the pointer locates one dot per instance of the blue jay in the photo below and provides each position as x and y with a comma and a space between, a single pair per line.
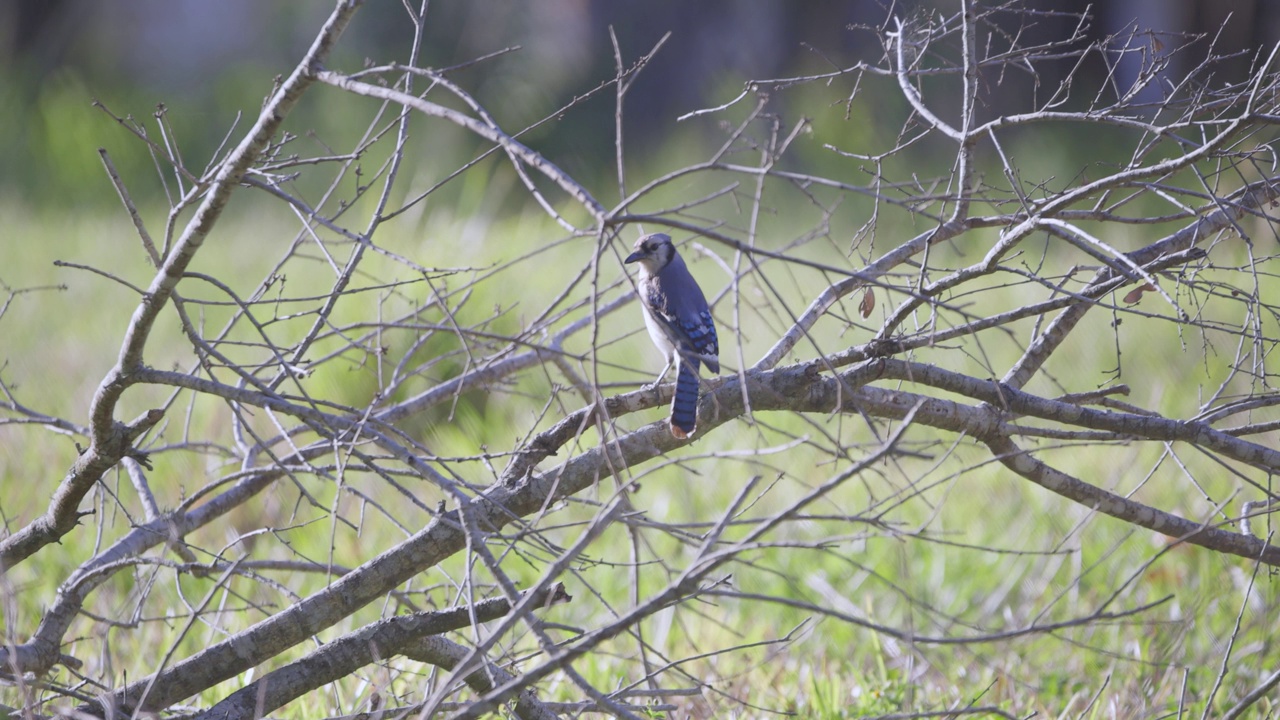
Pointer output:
679, 321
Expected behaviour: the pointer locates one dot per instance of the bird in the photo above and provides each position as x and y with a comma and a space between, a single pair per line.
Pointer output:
679, 322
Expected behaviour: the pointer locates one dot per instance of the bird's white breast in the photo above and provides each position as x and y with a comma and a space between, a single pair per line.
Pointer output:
656, 331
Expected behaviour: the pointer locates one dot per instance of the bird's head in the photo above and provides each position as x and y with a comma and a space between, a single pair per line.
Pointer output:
653, 252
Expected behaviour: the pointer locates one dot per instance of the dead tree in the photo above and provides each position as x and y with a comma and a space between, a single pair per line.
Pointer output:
892, 339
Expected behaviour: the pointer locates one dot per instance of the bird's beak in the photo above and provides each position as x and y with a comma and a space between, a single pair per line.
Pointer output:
634, 257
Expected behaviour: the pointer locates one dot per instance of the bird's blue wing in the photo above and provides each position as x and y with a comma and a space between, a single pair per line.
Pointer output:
691, 332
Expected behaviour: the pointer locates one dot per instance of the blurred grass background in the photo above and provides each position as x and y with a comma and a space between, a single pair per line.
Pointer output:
56, 204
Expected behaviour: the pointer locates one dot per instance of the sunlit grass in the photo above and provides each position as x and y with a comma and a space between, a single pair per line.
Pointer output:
1055, 561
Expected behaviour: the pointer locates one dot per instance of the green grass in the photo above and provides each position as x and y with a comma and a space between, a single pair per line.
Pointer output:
1055, 561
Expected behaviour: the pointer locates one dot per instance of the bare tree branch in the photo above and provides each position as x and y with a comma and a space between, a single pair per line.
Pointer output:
393, 435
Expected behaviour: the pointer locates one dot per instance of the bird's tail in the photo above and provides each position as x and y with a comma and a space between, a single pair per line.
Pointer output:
684, 406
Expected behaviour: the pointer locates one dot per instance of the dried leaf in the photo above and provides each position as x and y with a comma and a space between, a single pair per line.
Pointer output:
868, 304
1135, 295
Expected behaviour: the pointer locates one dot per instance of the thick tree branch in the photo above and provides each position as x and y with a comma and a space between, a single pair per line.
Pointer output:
410, 635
